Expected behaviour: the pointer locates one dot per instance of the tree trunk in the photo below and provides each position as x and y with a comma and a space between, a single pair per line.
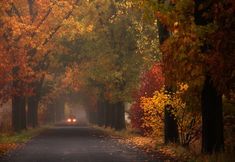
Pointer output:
211, 99
18, 113
33, 103
171, 133
32, 111
112, 115
100, 113
212, 119
119, 122
18, 104
108, 111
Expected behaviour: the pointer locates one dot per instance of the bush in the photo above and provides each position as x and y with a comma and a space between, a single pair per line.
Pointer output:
189, 123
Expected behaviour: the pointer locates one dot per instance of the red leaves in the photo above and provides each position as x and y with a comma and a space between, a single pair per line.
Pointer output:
151, 81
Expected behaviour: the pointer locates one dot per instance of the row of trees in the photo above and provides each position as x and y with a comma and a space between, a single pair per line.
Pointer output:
54, 49
197, 49
106, 67
114, 52
28, 37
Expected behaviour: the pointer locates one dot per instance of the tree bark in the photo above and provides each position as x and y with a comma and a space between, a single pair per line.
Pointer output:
212, 118
101, 113
211, 99
18, 113
32, 114
108, 111
171, 133
119, 122
112, 115
33, 103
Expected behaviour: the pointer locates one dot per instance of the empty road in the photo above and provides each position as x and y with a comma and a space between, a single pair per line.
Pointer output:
76, 144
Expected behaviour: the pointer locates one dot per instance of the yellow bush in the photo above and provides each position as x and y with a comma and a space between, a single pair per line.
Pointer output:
188, 122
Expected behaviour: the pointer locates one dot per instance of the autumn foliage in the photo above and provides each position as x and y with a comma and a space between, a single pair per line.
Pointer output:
151, 81
154, 107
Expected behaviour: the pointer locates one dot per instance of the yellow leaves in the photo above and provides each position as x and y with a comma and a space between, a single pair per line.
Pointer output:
176, 27
6, 147
153, 107
153, 111
73, 78
72, 28
89, 28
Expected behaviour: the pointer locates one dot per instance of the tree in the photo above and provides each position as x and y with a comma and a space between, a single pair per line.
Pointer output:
218, 57
26, 33
195, 54
111, 66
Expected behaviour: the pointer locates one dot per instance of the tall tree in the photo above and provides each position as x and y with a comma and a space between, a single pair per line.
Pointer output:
195, 54
112, 66
211, 98
27, 28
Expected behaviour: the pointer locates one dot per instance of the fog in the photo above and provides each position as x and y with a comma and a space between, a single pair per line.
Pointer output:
77, 110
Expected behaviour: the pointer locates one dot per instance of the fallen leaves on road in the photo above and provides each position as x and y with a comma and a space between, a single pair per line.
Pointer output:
152, 147
6, 147
143, 142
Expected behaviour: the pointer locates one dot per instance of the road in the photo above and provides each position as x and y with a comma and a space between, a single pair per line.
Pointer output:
76, 144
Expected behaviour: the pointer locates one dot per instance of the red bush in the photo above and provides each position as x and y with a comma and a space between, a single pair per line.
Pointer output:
150, 81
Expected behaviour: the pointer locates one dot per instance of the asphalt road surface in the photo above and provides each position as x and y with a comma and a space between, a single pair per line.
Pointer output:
76, 144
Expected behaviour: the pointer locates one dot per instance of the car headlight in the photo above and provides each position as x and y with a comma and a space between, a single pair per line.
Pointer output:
69, 120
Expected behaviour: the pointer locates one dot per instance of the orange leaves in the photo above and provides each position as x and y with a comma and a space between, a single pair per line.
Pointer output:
72, 78
6, 147
26, 34
188, 122
192, 49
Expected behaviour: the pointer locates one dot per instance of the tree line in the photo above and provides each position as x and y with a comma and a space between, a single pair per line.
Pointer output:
112, 52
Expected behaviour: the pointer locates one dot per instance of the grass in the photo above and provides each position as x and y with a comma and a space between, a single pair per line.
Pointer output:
11, 141
21, 137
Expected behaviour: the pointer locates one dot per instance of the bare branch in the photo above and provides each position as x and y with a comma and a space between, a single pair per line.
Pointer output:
45, 16
16, 12
32, 12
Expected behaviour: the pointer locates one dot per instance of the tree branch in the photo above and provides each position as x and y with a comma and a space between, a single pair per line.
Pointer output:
16, 12
59, 26
32, 13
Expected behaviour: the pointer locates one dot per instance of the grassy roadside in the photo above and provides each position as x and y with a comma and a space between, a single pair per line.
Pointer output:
173, 151
11, 141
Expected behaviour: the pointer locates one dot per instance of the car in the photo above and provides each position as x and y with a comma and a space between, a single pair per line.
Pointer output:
71, 120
